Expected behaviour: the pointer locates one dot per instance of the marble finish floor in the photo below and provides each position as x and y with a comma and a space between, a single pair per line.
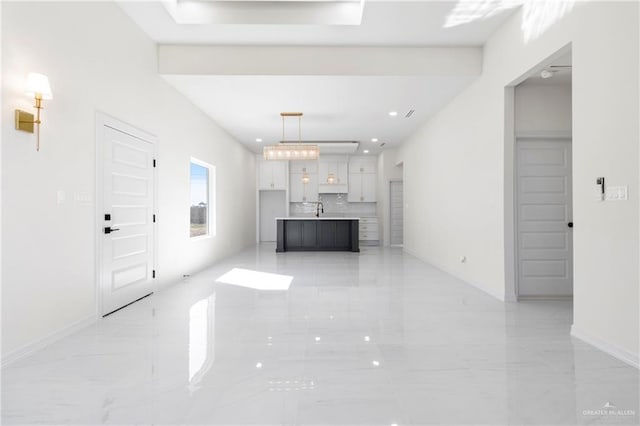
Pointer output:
376, 338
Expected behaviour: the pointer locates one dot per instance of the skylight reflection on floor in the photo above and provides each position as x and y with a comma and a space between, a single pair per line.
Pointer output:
256, 280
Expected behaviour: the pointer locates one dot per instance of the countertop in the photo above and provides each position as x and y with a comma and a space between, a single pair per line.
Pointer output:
318, 218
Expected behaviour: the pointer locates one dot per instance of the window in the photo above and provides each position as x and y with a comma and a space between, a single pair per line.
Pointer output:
202, 181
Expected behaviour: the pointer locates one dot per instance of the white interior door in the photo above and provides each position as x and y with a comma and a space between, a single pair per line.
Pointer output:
396, 217
272, 205
127, 230
545, 243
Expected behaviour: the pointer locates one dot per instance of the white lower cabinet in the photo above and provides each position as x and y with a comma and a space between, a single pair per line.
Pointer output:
368, 229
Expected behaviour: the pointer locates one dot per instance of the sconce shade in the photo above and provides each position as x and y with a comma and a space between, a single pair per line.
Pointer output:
38, 84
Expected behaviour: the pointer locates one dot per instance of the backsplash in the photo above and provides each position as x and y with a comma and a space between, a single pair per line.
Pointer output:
334, 205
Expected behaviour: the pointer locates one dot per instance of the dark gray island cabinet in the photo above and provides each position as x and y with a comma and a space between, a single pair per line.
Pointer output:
317, 234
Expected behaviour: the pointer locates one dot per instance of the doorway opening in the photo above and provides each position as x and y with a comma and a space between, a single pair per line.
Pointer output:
538, 182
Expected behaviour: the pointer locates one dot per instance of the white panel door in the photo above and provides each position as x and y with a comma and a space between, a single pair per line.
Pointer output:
127, 230
396, 216
545, 243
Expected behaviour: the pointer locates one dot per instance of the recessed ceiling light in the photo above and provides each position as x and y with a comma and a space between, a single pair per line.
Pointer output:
366, 151
258, 140
393, 113
374, 139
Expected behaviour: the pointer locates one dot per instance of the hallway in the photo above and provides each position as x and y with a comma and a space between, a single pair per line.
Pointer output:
378, 337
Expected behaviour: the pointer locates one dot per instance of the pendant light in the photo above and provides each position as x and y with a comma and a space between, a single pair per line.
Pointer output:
288, 150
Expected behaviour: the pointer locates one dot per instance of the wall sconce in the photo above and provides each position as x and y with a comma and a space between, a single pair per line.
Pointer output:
305, 178
36, 85
331, 179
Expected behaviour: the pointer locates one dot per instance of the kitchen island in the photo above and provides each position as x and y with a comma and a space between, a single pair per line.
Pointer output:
317, 234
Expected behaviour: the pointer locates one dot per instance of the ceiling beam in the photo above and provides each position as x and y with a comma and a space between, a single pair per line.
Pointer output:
314, 60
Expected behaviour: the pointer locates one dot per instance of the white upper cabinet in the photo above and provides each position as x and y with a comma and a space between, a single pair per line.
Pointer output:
299, 190
303, 166
362, 180
338, 168
363, 165
272, 174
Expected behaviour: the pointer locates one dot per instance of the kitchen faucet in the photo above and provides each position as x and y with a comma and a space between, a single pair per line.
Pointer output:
319, 208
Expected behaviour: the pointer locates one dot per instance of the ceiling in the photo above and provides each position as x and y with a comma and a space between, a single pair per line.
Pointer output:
384, 23
335, 107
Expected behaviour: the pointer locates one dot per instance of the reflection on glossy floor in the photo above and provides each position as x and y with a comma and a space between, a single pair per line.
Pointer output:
376, 338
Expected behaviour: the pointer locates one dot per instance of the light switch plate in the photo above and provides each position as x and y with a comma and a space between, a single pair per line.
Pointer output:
617, 193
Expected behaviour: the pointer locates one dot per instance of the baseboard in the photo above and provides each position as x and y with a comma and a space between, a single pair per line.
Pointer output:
30, 348
552, 298
607, 347
490, 292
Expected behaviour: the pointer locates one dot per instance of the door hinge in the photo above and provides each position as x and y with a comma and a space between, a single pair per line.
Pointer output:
153, 274
154, 162
154, 218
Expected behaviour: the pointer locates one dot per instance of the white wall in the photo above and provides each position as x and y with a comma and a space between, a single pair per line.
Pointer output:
97, 60
388, 170
543, 108
454, 168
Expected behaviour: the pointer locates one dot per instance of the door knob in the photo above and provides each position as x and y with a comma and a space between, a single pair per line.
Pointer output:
570, 224
108, 229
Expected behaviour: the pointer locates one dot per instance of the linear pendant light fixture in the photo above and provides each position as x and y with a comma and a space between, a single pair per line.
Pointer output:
288, 150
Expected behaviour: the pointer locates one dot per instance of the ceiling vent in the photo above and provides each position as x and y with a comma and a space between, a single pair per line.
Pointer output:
410, 113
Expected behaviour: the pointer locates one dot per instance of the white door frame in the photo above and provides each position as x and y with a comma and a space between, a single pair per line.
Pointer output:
511, 197
103, 120
510, 176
